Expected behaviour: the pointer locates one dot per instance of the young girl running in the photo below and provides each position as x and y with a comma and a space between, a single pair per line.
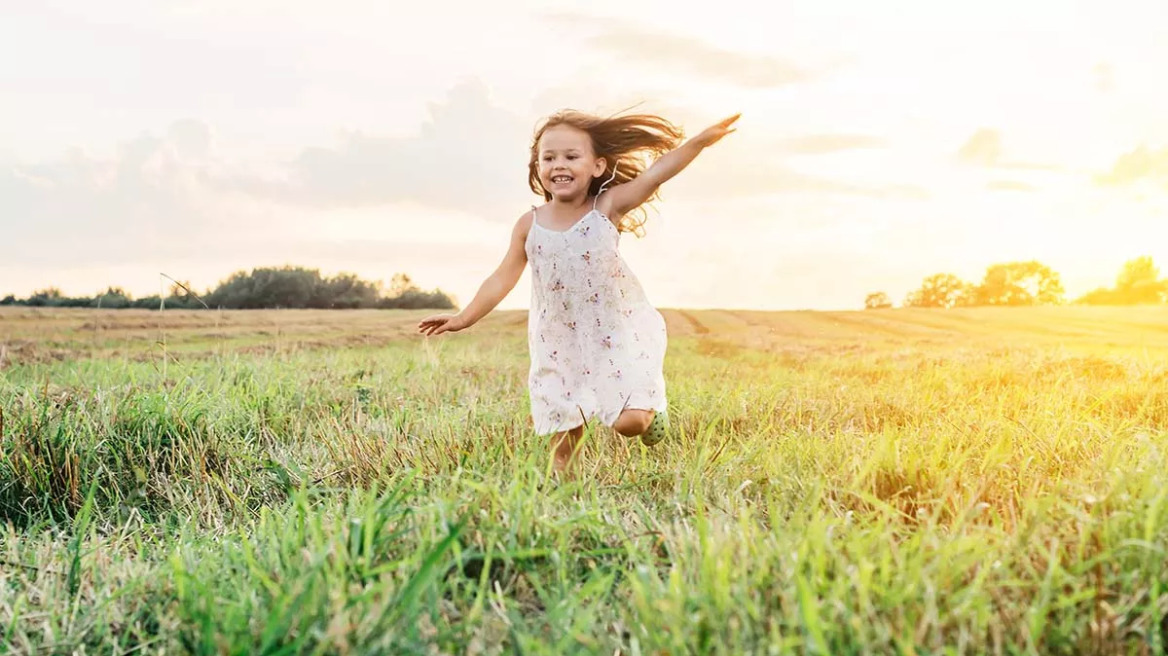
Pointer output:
597, 345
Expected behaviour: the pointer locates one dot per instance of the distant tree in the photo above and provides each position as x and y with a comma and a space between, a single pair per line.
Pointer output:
943, 290
416, 299
877, 301
264, 287
8, 300
404, 294
1139, 282
112, 298
346, 291
966, 296
1140, 270
267, 287
181, 296
1100, 296
400, 284
1020, 283
44, 297
298, 287
154, 301
179, 289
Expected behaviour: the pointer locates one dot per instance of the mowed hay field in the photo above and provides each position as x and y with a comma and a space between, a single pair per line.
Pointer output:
985, 480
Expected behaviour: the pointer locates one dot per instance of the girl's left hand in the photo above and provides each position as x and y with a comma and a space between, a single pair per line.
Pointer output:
712, 134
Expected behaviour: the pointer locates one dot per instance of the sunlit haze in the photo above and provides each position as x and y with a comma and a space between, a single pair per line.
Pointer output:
879, 142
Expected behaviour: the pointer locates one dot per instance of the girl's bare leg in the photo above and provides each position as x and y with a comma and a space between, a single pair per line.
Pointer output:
564, 447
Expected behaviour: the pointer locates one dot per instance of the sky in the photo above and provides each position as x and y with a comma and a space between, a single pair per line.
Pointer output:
879, 143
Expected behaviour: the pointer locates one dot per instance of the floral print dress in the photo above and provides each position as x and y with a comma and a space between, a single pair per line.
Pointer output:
597, 345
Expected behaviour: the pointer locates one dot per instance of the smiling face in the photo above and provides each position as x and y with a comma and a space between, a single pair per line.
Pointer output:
567, 162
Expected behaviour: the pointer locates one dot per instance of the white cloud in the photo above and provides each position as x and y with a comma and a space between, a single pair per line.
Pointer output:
470, 155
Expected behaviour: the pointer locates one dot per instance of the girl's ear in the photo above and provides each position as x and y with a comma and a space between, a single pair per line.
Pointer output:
600, 167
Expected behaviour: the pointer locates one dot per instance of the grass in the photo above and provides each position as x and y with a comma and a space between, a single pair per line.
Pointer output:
953, 482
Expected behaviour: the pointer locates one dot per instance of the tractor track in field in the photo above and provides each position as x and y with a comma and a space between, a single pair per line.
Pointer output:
698, 327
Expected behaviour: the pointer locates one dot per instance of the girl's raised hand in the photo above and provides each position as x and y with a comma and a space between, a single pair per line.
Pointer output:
715, 132
436, 324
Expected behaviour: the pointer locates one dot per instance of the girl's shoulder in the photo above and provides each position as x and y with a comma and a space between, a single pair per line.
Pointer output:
524, 223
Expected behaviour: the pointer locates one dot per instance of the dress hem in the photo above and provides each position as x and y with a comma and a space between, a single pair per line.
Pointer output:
608, 419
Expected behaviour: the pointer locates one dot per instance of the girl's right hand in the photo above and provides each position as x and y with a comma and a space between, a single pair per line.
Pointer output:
436, 324
715, 132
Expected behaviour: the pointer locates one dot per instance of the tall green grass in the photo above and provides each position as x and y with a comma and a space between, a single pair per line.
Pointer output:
819, 496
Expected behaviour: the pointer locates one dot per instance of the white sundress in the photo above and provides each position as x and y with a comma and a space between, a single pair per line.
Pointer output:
597, 344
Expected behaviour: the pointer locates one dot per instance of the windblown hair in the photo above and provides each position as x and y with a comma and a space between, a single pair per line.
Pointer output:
627, 142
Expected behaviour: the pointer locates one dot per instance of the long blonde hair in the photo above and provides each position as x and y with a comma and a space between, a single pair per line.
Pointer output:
625, 143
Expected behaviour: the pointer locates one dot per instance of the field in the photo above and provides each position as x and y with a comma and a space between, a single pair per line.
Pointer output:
983, 480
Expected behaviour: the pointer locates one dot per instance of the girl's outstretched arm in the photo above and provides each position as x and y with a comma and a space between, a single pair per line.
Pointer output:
493, 290
624, 198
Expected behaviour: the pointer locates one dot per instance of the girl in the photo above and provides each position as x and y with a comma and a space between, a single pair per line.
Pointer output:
597, 346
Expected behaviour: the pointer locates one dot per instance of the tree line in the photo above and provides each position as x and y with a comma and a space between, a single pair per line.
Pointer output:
261, 288
1030, 283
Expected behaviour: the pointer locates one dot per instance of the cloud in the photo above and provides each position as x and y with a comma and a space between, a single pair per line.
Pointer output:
471, 156
151, 198
720, 177
984, 148
1140, 164
742, 168
818, 144
687, 55
169, 202
1104, 74
1009, 185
